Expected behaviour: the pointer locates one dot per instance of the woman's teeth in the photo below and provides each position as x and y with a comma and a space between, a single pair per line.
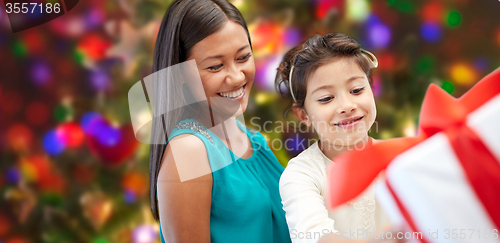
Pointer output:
233, 94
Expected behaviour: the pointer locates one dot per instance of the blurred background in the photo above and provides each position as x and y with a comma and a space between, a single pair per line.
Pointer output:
71, 169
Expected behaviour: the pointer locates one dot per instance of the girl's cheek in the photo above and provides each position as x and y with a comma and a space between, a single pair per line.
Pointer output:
321, 120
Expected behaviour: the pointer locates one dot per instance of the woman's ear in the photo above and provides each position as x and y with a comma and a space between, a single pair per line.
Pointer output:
301, 114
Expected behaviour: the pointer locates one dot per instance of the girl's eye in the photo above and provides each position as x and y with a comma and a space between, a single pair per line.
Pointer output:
357, 91
245, 57
215, 68
326, 99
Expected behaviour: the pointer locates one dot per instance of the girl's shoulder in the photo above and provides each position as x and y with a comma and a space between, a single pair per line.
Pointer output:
307, 167
310, 157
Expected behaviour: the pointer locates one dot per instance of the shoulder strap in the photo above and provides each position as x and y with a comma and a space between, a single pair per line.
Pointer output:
195, 127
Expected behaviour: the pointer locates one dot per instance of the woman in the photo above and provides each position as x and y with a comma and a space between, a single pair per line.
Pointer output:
213, 180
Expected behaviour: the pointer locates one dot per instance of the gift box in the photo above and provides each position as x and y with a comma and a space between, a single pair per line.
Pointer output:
445, 182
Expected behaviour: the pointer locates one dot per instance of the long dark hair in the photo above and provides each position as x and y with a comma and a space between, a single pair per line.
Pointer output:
185, 23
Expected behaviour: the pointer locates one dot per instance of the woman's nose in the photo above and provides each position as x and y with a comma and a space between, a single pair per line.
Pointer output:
346, 104
235, 75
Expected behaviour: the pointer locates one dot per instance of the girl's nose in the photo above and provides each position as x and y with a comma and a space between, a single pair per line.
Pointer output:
346, 104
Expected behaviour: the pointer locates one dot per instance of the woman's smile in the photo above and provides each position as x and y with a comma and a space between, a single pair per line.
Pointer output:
236, 94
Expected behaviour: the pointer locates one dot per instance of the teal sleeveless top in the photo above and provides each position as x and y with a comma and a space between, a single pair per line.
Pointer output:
246, 204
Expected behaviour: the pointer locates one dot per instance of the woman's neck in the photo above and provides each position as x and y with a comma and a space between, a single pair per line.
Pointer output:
232, 131
232, 128
333, 150
234, 138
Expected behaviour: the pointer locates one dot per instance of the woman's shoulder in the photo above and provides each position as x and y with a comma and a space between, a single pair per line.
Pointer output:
179, 159
184, 144
187, 142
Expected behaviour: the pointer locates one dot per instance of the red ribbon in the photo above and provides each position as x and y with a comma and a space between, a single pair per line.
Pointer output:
440, 113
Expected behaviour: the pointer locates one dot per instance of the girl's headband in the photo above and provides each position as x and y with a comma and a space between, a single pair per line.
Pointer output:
290, 84
371, 58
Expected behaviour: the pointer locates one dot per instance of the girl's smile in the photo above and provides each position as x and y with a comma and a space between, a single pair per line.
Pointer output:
339, 103
349, 123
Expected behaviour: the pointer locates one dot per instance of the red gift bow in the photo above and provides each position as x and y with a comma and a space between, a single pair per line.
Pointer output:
440, 113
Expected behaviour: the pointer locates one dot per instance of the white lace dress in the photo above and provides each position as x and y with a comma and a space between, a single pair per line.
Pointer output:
303, 187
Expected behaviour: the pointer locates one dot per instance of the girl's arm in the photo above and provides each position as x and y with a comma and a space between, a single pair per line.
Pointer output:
304, 206
184, 207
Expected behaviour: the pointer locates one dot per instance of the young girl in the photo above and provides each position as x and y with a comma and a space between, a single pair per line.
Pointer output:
212, 180
328, 78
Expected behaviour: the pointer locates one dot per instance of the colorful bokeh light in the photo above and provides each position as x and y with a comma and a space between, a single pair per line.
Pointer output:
448, 87
40, 73
386, 61
136, 183
70, 134
98, 127
463, 74
431, 32
129, 196
426, 65
94, 46
453, 18
379, 35
19, 137
292, 37
145, 234
377, 86
100, 80
87, 119
52, 143
19, 48
433, 12
12, 175
295, 143
63, 112
94, 17
324, 7
357, 10
481, 64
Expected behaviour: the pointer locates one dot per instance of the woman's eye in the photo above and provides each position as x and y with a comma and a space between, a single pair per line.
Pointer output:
215, 68
357, 91
244, 57
326, 99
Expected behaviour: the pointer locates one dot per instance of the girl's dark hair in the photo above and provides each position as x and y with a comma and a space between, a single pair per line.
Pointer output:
185, 23
313, 53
